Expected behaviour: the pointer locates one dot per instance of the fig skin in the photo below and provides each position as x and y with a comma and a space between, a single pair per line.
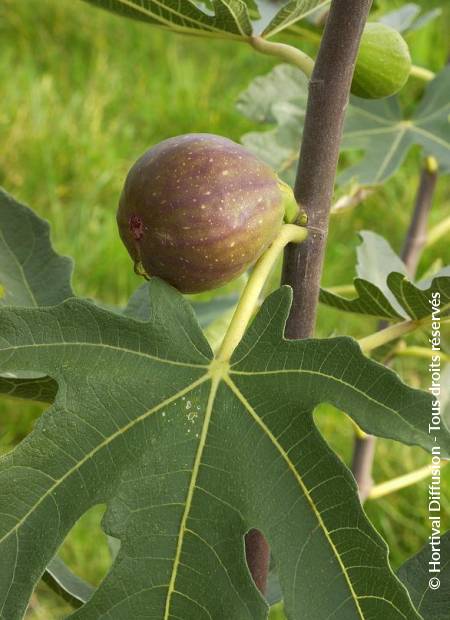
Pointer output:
383, 64
197, 210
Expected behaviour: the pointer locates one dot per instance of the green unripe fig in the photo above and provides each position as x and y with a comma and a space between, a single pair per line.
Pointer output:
197, 210
383, 63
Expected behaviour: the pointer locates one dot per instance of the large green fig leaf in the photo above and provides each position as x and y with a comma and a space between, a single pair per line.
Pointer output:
382, 288
376, 127
432, 602
188, 454
218, 18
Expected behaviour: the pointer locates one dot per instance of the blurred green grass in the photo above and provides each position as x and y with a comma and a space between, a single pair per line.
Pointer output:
84, 93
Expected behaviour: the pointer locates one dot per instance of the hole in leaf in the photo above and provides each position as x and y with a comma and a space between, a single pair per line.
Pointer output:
86, 550
336, 428
88, 553
17, 419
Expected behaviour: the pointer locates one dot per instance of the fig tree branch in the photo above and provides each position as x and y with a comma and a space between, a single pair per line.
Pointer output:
364, 447
329, 89
417, 232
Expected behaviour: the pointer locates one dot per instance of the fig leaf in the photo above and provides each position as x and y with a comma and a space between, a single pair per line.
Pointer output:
432, 604
234, 19
188, 455
31, 273
148, 424
383, 288
165, 442
376, 127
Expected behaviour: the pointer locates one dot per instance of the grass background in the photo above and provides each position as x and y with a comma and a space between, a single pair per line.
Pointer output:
84, 93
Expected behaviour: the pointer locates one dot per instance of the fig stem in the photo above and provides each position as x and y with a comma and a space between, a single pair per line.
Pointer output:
328, 95
422, 73
397, 330
437, 232
288, 53
422, 352
289, 233
382, 337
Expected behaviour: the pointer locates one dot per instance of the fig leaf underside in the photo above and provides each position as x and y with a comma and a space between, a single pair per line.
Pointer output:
233, 19
383, 289
188, 455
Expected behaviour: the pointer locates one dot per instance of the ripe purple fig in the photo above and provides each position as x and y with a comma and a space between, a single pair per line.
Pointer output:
197, 210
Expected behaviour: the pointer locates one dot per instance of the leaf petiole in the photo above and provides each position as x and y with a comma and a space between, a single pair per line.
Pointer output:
289, 233
380, 338
438, 231
422, 73
401, 482
286, 52
422, 352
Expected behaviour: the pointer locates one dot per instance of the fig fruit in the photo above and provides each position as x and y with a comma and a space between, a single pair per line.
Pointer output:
383, 63
197, 210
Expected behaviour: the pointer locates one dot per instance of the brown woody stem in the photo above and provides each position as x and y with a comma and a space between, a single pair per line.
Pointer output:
328, 97
417, 233
364, 447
